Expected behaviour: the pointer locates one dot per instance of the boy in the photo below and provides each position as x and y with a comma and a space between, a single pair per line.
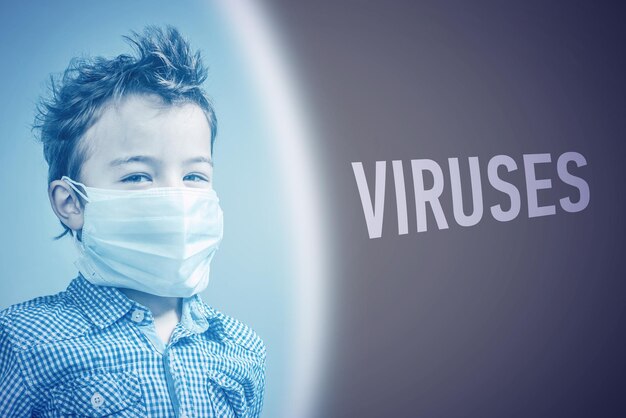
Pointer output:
129, 143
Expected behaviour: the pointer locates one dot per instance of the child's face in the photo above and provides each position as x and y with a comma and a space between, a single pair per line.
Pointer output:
143, 143
140, 143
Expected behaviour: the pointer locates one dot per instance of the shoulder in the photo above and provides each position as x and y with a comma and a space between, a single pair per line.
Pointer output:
42, 319
236, 332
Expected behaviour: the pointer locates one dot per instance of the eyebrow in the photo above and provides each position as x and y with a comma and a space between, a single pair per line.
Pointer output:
151, 160
134, 159
201, 159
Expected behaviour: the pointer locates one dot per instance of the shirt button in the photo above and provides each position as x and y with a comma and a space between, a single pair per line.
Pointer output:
97, 400
137, 316
183, 415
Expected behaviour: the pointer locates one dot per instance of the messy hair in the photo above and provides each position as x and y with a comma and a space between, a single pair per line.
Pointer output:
162, 64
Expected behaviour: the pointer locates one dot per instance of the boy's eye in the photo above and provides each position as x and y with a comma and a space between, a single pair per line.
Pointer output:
195, 177
136, 178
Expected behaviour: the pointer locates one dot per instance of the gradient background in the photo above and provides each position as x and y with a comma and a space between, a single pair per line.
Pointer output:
516, 319
251, 276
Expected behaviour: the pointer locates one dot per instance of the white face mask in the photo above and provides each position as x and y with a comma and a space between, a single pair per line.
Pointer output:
159, 241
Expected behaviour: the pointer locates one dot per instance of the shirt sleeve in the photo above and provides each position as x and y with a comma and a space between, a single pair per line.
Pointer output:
15, 401
256, 345
259, 391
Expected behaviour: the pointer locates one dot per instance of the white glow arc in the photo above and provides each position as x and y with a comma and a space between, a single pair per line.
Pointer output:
294, 149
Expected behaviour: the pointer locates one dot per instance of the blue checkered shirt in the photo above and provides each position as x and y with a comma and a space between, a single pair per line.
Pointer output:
90, 351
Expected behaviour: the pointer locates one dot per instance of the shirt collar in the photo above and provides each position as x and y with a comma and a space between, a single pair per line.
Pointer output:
104, 305
194, 316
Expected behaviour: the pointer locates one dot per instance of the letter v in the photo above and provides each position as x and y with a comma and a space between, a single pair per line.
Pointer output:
373, 215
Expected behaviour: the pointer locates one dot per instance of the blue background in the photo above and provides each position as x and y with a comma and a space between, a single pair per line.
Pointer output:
250, 274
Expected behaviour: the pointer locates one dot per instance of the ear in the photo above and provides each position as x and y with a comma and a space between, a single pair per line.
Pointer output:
66, 205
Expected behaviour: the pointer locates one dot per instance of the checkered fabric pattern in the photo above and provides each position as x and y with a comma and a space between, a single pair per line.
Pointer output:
82, 352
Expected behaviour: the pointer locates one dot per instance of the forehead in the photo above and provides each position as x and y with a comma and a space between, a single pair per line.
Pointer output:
143, 124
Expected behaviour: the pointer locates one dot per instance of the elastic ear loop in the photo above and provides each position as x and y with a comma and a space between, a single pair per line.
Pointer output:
74, 185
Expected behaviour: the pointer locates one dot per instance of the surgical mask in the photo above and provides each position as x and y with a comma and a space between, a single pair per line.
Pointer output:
159, 241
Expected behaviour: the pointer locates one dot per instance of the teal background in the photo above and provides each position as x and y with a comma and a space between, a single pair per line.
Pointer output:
250, 273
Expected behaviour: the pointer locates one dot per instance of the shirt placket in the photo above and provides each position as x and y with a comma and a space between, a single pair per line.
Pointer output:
175, 375
172, 362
